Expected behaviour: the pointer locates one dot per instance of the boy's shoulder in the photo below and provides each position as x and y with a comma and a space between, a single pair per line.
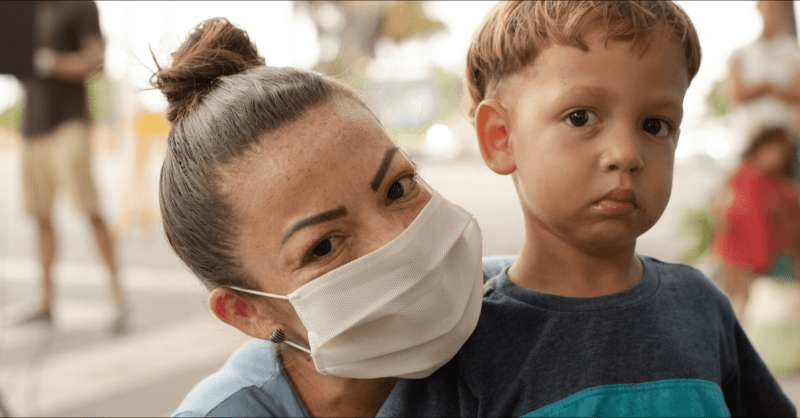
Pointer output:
666, 285
666, 273
684, 276
691, 292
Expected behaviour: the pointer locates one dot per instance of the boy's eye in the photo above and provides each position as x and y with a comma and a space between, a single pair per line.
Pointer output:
656, 127
580, 118
400, 188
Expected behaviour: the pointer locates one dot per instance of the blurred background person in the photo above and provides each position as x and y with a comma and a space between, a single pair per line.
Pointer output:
56, 149
764, 75
758, 215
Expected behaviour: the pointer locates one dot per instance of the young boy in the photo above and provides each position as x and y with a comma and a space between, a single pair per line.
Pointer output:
581, 103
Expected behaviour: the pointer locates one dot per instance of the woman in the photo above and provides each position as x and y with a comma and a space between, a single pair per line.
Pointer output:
764, 75
284, 195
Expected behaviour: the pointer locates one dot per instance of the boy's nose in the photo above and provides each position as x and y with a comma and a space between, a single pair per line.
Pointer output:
623, 152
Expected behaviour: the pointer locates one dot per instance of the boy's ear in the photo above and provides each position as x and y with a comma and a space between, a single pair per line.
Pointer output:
241, 313
492, 129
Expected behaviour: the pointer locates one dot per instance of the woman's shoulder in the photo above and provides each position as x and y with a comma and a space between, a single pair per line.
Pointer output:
253, 364
496, 264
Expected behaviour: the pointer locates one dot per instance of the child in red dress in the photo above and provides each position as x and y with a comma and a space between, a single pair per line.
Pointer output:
758, 215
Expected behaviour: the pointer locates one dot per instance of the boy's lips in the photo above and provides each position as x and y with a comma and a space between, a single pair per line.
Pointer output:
617, 202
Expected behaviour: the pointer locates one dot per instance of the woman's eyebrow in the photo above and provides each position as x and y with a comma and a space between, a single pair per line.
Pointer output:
383, 168
326, 216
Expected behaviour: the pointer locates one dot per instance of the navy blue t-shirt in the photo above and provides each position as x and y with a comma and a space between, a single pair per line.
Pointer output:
670, 346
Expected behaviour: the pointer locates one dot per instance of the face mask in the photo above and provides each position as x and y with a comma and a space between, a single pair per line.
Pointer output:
402, 310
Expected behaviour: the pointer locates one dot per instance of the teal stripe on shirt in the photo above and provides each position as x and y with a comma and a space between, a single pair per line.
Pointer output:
663, 398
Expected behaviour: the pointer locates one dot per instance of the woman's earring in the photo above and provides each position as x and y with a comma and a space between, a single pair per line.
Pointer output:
278, 337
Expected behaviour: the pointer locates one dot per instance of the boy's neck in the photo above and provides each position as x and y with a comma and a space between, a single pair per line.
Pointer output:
551, 266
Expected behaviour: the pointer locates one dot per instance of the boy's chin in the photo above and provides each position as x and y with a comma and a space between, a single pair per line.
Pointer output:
608, 248
611, 242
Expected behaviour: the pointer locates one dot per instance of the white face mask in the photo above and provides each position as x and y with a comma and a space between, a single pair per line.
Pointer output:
402, 310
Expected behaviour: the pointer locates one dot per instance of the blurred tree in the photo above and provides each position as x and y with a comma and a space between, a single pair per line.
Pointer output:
12, 116
102, 102
697, 225
348, 31
717, 101
102, 97
401, 20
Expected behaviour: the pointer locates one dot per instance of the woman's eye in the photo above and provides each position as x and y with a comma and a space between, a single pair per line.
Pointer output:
656, 127
400, 188
321, 249
579, 118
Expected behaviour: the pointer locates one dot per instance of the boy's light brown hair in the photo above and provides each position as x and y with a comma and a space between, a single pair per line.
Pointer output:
515, 32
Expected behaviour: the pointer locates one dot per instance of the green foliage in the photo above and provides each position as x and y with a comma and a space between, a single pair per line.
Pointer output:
402, 20
716, 101
102, 103
12, 116
698, 225
102, 97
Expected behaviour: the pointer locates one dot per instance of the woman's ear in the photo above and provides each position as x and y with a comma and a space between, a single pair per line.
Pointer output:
240, 312
492, 128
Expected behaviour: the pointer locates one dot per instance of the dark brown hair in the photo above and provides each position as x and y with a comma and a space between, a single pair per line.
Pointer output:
222, 100
515, 32
770, 135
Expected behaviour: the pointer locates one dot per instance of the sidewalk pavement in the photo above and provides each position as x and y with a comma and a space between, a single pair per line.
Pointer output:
78, 368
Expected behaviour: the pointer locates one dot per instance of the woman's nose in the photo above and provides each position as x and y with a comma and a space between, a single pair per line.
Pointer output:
382, 228
622, 151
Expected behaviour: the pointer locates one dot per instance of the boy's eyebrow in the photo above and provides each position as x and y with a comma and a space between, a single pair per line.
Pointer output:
668, 104
590, 90
576, 92
325, 216
659, 102
383, 168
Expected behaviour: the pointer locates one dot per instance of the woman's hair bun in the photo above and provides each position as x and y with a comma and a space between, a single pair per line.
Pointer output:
215, 48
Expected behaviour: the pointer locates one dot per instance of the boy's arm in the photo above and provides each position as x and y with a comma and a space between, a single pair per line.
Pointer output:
752, 390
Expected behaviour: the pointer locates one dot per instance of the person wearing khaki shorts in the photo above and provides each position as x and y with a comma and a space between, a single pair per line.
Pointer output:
58, 161
56, 150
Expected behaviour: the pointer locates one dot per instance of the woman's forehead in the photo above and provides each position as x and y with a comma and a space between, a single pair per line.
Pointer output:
332, 142
332, 122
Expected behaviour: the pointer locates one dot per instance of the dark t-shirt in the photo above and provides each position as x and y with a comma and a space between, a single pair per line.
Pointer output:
16, 42
670, 346
49, 102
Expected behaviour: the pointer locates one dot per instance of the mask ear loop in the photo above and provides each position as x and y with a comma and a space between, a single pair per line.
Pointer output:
259, 293
278, 336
